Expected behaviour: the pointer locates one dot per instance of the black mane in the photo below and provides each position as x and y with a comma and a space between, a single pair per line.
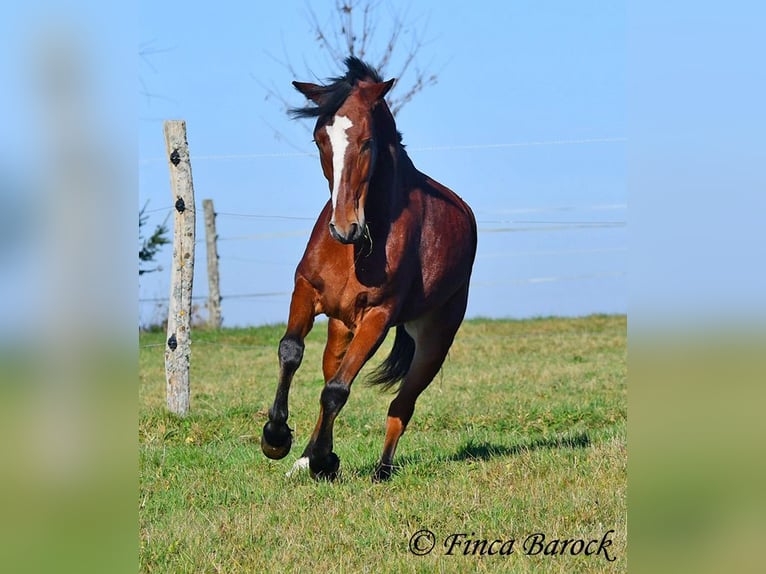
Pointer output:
334, 93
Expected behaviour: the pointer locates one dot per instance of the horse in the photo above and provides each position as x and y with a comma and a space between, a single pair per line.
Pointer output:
392, 247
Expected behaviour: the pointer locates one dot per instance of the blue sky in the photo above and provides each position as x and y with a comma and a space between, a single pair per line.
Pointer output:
680, 86
527, 123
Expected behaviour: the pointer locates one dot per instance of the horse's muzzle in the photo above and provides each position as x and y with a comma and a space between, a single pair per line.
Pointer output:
354, 235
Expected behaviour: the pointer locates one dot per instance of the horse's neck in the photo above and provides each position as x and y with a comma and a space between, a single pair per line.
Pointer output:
386, 194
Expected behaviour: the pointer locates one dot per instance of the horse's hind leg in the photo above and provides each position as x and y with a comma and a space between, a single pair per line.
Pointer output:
277, 437
433, 335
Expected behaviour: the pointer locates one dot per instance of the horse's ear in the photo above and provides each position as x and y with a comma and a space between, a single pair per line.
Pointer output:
312, 91
371, 92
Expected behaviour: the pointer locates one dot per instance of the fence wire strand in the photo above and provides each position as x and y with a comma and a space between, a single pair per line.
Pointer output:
491, 220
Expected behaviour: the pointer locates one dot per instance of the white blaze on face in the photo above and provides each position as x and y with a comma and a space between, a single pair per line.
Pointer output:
338, 144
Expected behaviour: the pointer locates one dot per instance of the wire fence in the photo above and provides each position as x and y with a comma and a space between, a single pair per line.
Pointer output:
459, 147
518, 225
492, 222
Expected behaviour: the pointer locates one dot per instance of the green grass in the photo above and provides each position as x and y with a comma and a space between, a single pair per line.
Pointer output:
523, 431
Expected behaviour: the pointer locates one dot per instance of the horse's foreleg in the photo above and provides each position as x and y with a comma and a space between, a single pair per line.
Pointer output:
338, 339
323, 462
277, 436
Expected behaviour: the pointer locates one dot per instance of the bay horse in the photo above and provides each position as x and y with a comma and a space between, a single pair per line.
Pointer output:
391, 248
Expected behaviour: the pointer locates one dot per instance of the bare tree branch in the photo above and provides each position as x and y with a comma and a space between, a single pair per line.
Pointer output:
350, 30
367, 31
326, 35
146, 50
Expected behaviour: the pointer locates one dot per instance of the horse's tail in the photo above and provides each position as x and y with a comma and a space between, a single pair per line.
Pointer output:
392, 370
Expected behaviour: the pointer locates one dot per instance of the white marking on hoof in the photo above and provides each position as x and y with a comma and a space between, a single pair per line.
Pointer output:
300, 464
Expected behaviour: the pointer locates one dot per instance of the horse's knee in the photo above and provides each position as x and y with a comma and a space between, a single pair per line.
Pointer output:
290, 352
334, 396
402, 410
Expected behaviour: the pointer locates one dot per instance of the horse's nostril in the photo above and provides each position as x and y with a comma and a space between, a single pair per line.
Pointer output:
353, 235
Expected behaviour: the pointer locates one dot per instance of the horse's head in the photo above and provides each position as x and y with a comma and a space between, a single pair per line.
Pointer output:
345, 136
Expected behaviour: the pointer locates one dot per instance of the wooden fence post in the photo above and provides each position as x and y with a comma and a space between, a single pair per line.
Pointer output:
178, 346
214, 287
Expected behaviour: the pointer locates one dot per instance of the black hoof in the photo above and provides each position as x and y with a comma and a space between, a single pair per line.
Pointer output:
326, 468
383, 472
276, 440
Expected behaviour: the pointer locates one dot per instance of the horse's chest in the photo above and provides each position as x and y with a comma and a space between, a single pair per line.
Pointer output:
350, 282
349, 302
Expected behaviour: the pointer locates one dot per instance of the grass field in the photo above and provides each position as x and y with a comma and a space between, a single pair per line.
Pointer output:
523, 432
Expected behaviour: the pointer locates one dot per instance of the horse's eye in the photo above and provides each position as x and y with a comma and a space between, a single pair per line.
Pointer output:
366, 145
